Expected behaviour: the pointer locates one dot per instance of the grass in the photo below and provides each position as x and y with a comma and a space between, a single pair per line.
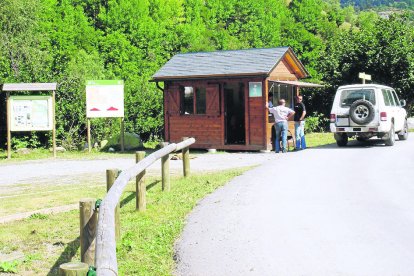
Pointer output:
319, 139
41, 193
41, 153
146, 245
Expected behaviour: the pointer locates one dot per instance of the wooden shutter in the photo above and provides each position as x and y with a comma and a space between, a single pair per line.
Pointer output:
213, 100
174, 102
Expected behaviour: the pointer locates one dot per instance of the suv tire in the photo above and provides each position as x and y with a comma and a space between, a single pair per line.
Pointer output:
403, 135
391, 136
362, 112
341, 139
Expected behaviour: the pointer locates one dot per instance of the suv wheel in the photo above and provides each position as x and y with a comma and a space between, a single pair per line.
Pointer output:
362, 112
341, 139
403, 135
391, 137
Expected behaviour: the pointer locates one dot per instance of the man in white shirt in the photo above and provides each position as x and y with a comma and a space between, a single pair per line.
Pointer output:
282, 114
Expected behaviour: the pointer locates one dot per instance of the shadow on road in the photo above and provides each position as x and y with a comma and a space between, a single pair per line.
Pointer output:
355, 144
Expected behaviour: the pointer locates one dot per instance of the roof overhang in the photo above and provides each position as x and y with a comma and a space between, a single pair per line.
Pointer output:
29, 86
208, 77
298, 83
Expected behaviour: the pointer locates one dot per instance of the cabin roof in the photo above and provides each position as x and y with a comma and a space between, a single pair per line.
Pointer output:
249, 62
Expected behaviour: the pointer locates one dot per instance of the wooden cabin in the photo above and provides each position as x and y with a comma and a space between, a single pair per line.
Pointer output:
219, 97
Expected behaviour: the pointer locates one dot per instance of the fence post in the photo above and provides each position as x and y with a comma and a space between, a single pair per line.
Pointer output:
111, 176
88, 223
141, 188
165, 168
73, 269
186, 159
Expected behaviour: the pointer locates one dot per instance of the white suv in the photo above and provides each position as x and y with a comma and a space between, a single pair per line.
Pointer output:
368, 110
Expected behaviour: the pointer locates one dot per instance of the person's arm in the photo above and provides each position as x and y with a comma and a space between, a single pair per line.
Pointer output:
290, 114
303, 113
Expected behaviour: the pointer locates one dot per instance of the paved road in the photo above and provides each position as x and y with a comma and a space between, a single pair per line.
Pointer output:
347, 211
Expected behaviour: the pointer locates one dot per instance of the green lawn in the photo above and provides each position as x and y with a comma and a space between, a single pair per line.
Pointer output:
319, 139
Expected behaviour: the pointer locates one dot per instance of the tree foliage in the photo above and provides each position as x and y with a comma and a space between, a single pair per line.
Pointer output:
70, 41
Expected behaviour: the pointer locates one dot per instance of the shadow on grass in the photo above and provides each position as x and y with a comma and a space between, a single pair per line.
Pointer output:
65, 257
132, 195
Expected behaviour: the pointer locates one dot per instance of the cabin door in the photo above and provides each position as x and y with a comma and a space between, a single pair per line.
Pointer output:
234, 110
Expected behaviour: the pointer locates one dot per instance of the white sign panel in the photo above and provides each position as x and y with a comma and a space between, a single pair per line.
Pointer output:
104, 98
29, 113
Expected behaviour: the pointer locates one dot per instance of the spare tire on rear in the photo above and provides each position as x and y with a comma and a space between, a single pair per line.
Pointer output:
362, 112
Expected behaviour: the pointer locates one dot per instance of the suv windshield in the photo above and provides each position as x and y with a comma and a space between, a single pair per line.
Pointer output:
350, 96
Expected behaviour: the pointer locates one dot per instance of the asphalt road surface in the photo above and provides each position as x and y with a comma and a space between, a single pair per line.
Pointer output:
322, 211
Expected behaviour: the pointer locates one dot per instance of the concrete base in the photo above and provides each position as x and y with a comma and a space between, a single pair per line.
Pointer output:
212, 150
265, 151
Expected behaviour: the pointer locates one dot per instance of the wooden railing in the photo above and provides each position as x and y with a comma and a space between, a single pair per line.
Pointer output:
105, 254
99, 230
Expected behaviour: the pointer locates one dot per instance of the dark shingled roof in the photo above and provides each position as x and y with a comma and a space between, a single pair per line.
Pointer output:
220, 63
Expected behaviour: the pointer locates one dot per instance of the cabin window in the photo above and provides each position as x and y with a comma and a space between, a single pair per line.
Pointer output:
281, 91
187, 98
193, 100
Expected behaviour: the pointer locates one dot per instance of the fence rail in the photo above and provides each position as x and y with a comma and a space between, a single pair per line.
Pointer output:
105, 252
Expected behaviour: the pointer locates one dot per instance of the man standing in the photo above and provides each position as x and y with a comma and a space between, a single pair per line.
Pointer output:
300, 112
282, 114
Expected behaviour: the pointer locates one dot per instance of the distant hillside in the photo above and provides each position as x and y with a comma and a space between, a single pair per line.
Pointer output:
369, 4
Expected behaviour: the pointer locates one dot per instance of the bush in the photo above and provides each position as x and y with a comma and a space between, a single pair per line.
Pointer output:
317, 122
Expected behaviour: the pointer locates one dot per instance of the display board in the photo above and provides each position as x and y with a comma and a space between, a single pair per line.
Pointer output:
30, 113
255, 89
104, 98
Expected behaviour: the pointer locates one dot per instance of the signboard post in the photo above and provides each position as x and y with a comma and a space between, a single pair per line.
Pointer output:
105, 98
364, 77
30, 113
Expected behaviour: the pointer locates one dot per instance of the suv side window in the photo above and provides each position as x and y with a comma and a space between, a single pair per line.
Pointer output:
397, 101
393, 103
386, 96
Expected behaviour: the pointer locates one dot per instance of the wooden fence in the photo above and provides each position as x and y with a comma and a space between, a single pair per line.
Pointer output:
106, 231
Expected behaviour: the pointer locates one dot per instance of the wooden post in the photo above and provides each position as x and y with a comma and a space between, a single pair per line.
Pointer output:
73, 269
8, 107
88, 223
122, 135
186, 159
141, 188
54, 122
89, 135
165, 168
111, 176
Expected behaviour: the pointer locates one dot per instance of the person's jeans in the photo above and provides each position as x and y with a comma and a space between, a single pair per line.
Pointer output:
300, 135
281, 130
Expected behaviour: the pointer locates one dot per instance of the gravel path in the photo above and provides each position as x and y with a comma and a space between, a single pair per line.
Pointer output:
16, 177
58, 169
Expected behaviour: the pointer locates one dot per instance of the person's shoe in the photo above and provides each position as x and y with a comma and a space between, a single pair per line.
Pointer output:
284, 151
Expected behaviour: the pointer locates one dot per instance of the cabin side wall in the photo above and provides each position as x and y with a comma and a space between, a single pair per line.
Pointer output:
209, 129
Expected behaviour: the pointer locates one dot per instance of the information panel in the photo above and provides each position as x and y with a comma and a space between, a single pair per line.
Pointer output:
29, 113
255, 89
104, 98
